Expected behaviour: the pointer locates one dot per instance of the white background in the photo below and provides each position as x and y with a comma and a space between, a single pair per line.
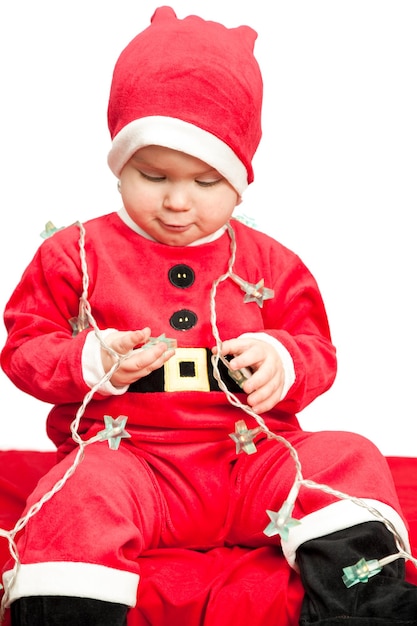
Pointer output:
335, 175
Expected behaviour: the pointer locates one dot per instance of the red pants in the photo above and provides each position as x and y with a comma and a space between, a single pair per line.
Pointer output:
87, 538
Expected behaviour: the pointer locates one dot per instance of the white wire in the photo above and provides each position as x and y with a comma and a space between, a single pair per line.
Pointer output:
299, 481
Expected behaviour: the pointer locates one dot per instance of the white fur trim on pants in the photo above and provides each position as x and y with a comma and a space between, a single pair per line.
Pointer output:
81, 580
339, 516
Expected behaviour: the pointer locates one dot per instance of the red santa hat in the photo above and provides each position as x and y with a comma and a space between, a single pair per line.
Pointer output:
191, 85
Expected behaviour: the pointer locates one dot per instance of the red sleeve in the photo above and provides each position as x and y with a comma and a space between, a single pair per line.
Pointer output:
41, 356
297, 318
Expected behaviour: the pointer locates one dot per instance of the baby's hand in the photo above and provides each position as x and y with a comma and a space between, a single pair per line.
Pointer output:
139, 363
264, 387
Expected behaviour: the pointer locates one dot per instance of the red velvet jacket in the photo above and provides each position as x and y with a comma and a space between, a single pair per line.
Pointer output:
129, 288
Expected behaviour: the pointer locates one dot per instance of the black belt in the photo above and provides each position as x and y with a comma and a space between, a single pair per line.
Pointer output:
190, 369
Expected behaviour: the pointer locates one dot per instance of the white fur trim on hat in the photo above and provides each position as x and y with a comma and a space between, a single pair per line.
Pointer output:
179, 135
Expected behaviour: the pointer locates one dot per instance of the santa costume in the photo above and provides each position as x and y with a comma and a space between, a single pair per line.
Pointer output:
190, 469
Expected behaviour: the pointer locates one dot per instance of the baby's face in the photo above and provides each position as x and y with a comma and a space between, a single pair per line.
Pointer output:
174, 197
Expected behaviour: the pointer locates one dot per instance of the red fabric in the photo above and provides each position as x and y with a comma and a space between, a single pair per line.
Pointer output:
42, 358
244, 586
192, 70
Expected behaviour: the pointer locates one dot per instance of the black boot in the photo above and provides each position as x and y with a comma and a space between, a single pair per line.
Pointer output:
385, 600
66, 611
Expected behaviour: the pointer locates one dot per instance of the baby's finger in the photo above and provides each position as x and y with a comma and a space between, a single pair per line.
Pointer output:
143, 362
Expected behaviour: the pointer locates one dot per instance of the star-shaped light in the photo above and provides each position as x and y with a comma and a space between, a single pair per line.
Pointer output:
257, 293
254, 293
170, 343
361, 572
281, 522
243, 438
50, 230
78, 324
245, 219
114, 431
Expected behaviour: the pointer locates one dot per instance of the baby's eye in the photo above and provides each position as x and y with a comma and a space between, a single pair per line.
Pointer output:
155, 178
208, 183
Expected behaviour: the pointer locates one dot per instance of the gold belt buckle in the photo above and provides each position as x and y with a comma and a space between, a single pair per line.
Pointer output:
186, 370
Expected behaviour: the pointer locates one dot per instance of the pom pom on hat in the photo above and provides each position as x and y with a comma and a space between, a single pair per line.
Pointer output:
191, 85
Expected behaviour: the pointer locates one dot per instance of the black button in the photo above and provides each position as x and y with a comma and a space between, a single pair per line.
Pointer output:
183, 320
181, 276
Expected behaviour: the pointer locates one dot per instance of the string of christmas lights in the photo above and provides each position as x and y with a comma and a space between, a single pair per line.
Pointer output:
281, 521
